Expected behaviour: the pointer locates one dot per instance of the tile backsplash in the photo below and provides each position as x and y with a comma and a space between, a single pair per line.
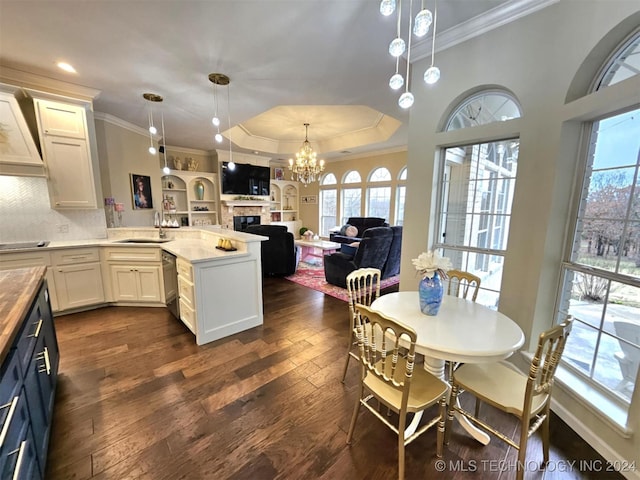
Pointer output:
26, 215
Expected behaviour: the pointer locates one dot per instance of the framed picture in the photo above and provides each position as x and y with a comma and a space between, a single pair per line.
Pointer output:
279, 173
309, 199
141, 191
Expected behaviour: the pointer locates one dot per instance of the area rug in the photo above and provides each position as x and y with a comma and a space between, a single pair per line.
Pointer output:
312, 276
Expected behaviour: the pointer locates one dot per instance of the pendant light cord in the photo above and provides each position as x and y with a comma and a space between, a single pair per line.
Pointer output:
408, 44
435, 23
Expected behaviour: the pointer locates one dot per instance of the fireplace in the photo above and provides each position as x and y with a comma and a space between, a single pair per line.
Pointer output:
241, 222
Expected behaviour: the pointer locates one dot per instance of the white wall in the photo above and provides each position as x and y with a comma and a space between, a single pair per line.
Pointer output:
536, 58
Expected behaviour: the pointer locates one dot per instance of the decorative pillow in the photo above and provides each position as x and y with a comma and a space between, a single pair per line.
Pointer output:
343, 229
351, 231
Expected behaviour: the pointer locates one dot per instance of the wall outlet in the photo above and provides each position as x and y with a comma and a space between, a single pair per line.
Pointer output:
63, 228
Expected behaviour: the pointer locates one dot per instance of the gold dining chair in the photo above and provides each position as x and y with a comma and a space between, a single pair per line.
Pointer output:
462, 284
363, 287
390, 378
527, 397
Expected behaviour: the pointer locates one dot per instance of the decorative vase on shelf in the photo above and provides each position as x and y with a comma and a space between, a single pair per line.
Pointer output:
430, 291
199, 190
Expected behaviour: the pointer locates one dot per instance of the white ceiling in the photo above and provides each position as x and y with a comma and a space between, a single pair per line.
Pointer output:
296, 54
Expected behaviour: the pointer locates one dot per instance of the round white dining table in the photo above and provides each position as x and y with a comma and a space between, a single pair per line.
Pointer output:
462, 331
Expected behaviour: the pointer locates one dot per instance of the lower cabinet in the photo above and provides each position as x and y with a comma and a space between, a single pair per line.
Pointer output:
27, 394
137, 283
78, 276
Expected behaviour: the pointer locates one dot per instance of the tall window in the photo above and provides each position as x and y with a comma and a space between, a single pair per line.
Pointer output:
351, 196
476, 192
601, 272
379, 194
401, 192
328, 203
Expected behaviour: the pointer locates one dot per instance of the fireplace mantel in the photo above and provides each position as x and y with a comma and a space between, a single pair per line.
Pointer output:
246, 203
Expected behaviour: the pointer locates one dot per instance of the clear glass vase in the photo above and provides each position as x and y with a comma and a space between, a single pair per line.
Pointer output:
430, 291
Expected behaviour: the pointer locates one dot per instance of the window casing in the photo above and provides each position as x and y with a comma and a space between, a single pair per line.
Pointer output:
328, 203
601, 272
401, 192
600, 281
379, 195
351, 196
475, 197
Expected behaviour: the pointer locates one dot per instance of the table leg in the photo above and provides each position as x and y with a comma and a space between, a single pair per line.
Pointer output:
435, 367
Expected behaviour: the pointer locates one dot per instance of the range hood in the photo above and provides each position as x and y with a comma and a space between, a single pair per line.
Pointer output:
19, 155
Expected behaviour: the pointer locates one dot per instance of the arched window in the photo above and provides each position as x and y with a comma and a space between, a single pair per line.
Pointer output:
600, 284
379, 195
624, 63
483, 108
475, 193
328, 203
351, 200
401, 192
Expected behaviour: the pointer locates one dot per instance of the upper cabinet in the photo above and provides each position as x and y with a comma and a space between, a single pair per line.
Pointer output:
18, 152
66, 150
62, 120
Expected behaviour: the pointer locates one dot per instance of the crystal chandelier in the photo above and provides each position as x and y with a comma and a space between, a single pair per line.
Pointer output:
397, 47
306, 165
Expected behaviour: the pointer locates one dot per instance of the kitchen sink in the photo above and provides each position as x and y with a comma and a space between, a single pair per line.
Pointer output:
143, 240
20, 245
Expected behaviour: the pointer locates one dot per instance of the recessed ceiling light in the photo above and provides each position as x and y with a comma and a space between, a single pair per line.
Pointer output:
66, 67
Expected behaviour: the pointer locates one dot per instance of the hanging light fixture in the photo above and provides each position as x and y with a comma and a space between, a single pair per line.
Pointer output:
306, 165
217, 79
222, 79
152, 97
421, 23
406, 99
166, 170
432, 74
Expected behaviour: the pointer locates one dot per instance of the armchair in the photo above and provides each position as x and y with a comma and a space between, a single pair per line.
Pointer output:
371, 253
279, 254
361, 224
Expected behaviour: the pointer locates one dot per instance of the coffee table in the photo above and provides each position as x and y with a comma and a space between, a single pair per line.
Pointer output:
313, 250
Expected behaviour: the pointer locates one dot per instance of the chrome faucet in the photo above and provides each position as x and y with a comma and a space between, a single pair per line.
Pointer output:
157, 221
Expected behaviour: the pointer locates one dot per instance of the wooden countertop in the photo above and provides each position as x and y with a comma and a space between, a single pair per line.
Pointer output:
18, 289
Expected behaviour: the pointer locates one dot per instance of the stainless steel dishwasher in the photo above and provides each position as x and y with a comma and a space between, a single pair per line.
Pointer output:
170, 277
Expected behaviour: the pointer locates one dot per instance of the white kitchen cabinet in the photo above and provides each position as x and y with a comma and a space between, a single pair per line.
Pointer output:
9, 261
78, 277
136, 283
18, 152
70, 173
136, 274
66, 150
62, 119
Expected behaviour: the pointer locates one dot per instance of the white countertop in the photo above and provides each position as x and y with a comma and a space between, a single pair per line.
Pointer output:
193, 244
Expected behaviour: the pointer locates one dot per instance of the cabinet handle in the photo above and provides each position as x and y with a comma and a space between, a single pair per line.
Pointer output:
16, 472
37, 332
47, 363
7, 422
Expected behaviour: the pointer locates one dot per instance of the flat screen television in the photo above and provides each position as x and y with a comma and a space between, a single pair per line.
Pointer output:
245, 179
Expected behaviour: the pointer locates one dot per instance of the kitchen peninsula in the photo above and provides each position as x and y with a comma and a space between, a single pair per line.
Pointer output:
219, 291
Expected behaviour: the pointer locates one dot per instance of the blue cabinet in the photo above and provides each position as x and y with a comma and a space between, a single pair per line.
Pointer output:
27, 393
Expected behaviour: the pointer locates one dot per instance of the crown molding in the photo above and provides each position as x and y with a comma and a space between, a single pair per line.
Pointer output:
118, 122
479, 25
39, 83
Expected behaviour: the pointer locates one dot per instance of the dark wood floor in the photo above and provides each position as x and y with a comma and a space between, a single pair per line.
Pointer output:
138, 399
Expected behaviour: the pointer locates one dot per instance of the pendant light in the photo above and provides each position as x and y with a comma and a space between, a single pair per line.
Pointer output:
432, 74
406, 99
217, 79
166, 170
152, 97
